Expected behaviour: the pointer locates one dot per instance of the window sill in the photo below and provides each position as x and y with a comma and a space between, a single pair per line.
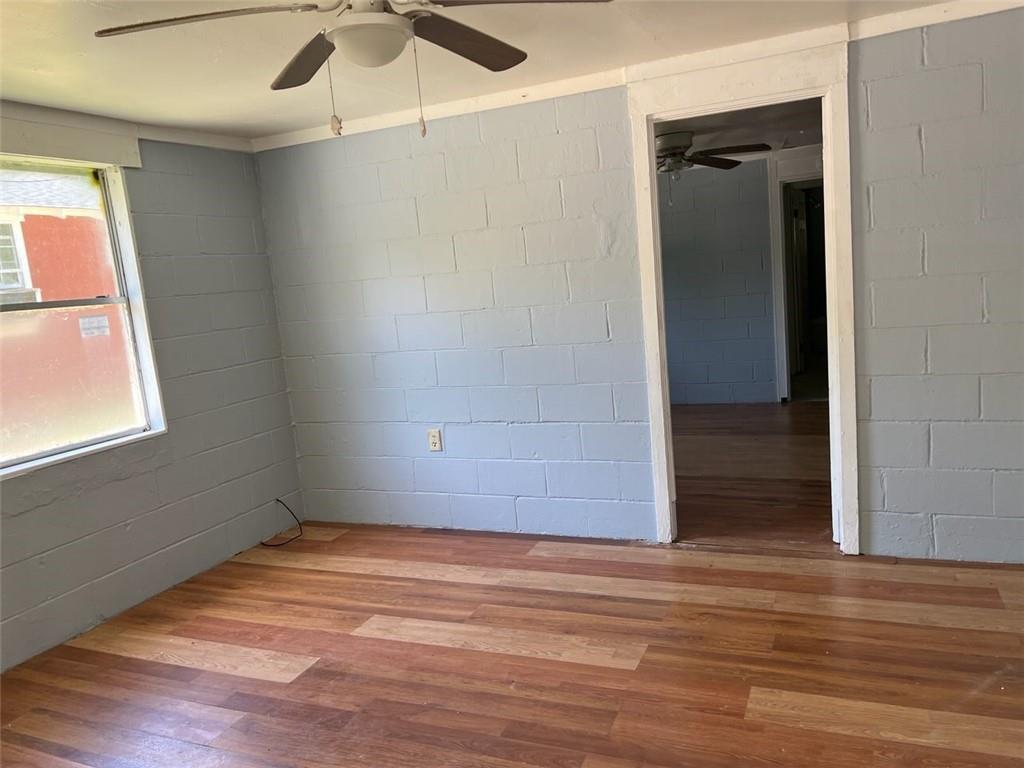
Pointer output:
6, 473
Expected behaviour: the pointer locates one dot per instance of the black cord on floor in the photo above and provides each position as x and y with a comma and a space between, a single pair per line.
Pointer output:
297, 522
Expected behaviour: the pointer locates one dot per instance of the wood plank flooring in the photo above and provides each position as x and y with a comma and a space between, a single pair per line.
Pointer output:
384, 647
753, 475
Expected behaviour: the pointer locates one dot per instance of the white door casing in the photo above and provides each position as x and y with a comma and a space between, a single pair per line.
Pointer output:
784, 166
775, 77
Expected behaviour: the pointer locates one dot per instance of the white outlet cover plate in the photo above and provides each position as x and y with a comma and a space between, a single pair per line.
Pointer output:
434, 439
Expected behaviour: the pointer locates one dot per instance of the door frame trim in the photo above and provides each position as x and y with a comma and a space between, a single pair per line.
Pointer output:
784, 167
819, 72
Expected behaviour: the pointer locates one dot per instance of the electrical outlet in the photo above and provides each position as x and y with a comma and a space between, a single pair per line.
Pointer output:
434, 439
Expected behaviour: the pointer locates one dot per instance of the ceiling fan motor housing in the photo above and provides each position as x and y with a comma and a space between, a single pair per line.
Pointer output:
670, 150
370, 37
677, 141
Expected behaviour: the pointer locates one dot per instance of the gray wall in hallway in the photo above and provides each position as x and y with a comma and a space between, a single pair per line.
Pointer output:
483, 280
937, 119
86, 539
716, 275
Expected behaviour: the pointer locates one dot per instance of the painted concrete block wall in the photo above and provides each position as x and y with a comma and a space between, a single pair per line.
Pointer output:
84, 540
938, 161
716, 271
483, 280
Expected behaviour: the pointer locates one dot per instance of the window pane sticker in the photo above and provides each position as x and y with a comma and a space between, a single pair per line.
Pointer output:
94, 325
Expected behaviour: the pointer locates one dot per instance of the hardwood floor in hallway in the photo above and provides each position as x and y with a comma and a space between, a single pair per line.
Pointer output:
369, 647
753, 475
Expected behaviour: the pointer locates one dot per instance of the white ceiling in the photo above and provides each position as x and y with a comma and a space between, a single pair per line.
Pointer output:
215, 76
783, 126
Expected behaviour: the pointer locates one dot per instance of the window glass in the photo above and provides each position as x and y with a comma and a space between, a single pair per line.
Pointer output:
67, 376
69, 369
57, 225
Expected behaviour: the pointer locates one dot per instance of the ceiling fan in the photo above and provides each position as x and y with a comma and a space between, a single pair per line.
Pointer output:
673, 153
370, 33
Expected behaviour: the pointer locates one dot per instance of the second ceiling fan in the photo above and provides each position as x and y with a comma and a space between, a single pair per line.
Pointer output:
371, 33
674, 152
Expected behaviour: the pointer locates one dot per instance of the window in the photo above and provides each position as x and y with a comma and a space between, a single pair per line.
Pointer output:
76, 364
13, 270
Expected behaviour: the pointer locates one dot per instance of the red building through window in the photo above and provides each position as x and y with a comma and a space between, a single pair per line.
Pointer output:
67, 373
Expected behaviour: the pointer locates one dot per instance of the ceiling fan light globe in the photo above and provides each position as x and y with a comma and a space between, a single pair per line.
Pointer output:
372, 39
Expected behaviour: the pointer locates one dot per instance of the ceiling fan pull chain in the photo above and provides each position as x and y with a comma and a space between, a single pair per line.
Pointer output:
419, 90
335, 120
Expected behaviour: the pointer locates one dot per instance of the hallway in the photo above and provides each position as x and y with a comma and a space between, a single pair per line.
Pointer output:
753, 475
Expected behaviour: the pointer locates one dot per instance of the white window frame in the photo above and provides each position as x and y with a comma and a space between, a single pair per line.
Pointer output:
126, 264
19, 253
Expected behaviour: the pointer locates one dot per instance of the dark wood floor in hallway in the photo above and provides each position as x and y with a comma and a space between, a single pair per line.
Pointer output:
753, 475
379, 648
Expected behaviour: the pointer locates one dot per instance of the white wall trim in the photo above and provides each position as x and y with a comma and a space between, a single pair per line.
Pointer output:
819, 72
716, 57
15, 115
653, 308
798, 164
550, 90
839, 311
555, 88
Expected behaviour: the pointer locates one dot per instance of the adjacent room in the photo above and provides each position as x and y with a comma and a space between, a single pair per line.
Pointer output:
742, 236
511, 383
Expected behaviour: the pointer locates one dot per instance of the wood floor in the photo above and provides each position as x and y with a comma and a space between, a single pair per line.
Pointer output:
380, 648
753, 475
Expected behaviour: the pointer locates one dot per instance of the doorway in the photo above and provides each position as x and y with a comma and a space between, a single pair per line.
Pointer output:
817, 74
751, 469
803, 211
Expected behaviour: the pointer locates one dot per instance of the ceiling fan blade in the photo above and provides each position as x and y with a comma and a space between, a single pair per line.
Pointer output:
305, 63
191, 19
722, 163
738, 149
487, 51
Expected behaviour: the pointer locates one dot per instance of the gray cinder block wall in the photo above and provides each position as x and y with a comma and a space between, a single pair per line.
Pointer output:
483, 280
938, 159
716, 275
86, 539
